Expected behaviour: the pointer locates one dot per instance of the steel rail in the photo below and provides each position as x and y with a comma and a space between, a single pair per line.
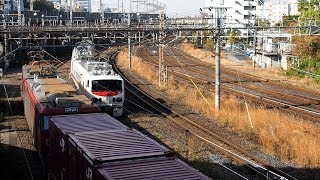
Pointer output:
19, 137
260, 97
171, 114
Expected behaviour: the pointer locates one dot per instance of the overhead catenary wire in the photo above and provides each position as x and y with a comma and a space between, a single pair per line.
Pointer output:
253, 164
11, 111
245, 100
176, 57
194, 84
242, 90
224, 166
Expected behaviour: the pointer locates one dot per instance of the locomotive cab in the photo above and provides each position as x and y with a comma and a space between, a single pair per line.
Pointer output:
108, 94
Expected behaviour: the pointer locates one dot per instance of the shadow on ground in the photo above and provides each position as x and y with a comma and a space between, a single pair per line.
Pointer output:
218, 170
13, 165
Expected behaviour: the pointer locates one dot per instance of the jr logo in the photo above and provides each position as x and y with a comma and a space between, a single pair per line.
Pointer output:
62, 143
89, 174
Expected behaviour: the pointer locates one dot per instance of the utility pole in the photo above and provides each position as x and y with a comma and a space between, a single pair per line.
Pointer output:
217, 63
6, 60
19, 12
122, 7
118, 6
162, 70
31, 5
102, 12
254, 43
71, 12
129, 41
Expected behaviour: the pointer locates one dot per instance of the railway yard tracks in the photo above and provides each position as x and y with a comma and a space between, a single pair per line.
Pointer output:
189, 125
16, 147
179, 125
16, 143
269, 93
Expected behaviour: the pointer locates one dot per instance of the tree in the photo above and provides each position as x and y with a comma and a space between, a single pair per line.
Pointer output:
233, 36
43, 5
262, 22
307, 48
309, 9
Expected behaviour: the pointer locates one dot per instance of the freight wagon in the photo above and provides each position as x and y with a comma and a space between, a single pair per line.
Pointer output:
63, 125
45, 94
83, 144
98, 147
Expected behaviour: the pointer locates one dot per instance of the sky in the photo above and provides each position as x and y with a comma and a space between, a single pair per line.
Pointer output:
174, 7
183, 7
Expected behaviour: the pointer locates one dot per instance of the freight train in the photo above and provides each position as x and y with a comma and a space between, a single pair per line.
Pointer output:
81, 143
97, 80
45, 94
97, 146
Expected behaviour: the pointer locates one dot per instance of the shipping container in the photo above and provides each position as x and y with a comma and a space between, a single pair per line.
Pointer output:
161, 168
87, 150
62, 125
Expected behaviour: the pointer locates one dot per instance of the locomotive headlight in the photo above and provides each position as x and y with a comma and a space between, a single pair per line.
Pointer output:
119, 99
94, 100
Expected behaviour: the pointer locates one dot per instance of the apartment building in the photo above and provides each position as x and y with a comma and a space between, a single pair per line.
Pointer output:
11, 5
85, 5
273, 11
235, 13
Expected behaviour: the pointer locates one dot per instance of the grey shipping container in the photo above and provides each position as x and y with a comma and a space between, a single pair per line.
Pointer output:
161, 168
63, 125
90, 149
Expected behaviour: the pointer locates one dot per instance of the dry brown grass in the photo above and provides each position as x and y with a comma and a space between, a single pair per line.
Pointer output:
269, 73
283, 136
198, 53
137, 65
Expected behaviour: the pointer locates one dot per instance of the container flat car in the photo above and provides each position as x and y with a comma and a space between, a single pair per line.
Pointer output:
61, 126
90, 151
159, 168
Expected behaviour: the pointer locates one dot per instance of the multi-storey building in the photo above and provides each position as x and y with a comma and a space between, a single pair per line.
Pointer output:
293, 8
85, 5
77, 5
273, 11
237, 13
11, 5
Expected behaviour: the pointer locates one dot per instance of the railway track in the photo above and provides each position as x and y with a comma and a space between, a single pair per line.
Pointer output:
301, 103
212, 139
21, 158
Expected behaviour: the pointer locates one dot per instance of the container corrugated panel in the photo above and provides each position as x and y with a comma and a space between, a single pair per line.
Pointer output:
149, 169
86, 122
117, 145
62, 125
90, 149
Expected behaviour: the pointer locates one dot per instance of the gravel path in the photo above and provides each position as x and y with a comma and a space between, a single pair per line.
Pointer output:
18, 158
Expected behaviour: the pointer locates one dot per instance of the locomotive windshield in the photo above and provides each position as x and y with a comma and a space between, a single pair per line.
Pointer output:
107, 87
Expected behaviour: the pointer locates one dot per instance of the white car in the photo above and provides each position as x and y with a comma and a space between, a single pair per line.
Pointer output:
228, 47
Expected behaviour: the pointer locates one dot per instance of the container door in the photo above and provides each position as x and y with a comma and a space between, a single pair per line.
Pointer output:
72, 162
